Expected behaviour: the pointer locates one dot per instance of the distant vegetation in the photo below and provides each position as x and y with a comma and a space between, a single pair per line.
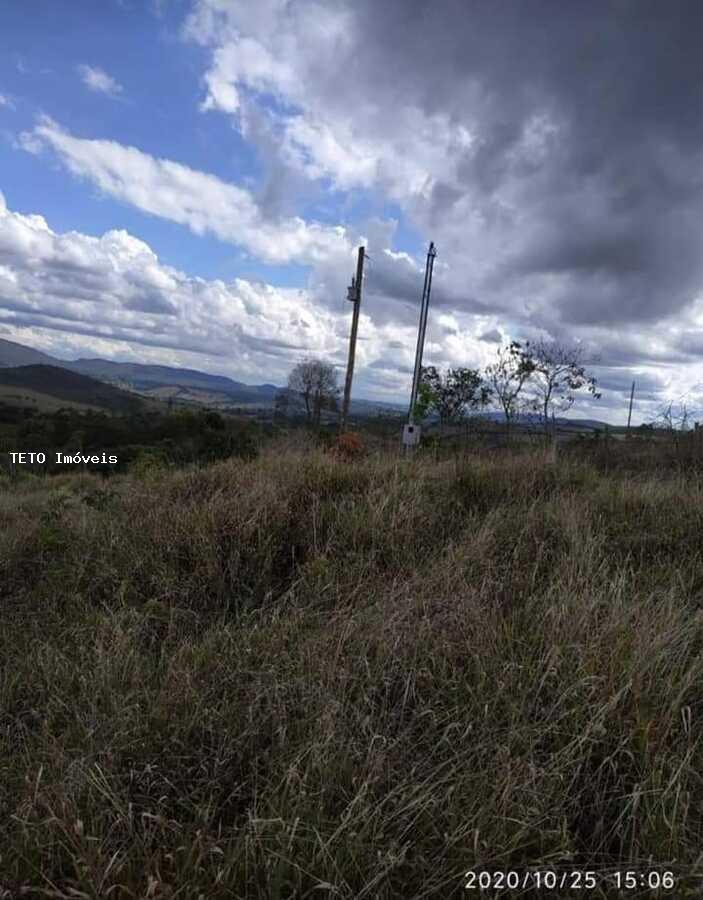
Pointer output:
537, 380
311, 390
66, 386
145, 437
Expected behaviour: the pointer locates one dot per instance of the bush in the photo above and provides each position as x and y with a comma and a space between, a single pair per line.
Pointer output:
348, 446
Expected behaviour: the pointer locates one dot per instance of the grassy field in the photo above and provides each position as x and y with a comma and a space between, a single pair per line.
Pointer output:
300, 677
35, 400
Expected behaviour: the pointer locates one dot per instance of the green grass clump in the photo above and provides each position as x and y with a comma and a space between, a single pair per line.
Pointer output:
298, 676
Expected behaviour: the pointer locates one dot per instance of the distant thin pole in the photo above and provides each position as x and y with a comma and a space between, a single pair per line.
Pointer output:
355, 296
629, 414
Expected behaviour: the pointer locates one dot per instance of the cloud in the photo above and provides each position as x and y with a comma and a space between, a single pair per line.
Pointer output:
201, 201
115, 287
77, 294
97, 79
555, 154
112, 295
6, 101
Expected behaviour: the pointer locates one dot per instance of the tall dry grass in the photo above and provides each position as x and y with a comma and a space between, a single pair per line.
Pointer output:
302, 677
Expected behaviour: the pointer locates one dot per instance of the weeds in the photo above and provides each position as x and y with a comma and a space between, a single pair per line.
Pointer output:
298, 676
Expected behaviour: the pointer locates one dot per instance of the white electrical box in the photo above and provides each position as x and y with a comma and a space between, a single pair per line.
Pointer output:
411, 435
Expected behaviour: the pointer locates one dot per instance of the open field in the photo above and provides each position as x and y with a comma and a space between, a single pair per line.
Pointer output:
48, 388
36, 400
303, 677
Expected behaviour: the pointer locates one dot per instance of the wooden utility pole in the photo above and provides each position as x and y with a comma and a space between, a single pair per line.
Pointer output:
629, 415
353, 294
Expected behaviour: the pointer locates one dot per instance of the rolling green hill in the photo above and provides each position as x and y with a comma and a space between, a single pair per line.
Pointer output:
41, 386
145, 377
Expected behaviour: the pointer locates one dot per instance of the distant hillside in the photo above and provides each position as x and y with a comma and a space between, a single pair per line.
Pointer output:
64, 385
139, 377
535, 420
146, 377
12, 354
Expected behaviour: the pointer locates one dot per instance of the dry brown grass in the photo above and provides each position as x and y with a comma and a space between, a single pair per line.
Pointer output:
302, 677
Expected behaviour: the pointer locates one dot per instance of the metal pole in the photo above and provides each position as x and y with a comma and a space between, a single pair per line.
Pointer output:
629, 415
356, 294
424, 309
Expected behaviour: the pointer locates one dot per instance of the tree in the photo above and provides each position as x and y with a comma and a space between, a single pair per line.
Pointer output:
677, 419
315, 382
507, 377
423, 402
453, 393
557, 371
673, 417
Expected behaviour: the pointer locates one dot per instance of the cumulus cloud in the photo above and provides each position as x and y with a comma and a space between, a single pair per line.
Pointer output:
117, 281
303, 56
113, 289
77, 294
554, 152
112, 295
97, 79
202, 202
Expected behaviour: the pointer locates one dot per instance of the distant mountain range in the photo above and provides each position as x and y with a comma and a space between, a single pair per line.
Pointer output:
147, 378
166, 382
534, 419
138, 377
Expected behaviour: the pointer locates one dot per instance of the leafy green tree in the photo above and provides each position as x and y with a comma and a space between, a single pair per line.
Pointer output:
423, 403
507, 377
454, 393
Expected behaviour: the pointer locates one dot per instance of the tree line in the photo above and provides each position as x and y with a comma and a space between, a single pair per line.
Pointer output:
180, 437
541, 378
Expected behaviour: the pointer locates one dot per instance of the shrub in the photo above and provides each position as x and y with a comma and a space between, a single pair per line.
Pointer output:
348, 446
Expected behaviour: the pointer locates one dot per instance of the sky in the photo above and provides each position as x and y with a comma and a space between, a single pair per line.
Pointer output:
186, 182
